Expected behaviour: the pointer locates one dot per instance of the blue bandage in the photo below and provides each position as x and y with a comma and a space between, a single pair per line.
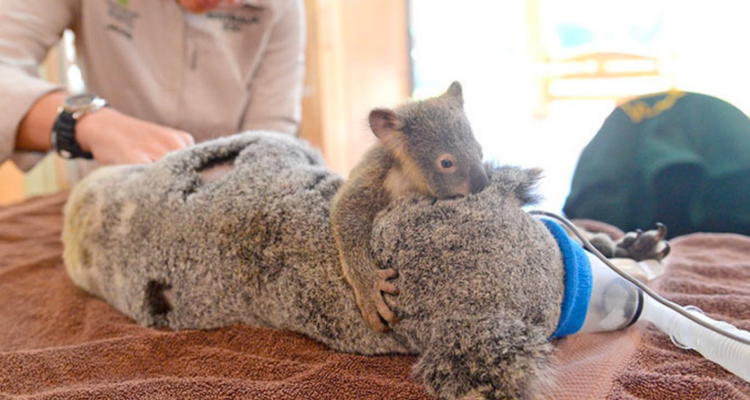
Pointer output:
578, 282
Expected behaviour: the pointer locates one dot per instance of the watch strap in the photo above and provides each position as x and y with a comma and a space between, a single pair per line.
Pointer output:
64, 138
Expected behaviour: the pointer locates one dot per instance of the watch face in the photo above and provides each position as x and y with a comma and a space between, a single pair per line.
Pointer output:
80, 100
83, 103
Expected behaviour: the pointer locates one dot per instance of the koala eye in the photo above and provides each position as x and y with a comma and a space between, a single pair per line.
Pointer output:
446, 163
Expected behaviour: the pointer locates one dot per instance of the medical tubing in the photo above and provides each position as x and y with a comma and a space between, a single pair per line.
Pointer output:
614, 303
730, 354
653, 295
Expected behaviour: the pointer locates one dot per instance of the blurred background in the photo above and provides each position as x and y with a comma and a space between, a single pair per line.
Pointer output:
539, 76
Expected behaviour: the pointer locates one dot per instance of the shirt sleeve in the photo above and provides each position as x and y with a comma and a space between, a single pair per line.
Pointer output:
28, 29
276, 88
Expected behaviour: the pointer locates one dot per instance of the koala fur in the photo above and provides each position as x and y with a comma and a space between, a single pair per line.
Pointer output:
174, 244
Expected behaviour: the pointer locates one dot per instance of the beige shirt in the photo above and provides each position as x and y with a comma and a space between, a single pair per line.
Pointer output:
211, 75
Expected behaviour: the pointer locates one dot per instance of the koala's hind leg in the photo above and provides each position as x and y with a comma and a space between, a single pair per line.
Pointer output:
637, 245
641, 245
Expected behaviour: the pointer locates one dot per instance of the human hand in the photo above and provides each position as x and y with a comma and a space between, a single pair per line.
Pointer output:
115, 138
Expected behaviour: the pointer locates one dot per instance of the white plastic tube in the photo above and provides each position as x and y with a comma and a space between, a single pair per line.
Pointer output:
614, 303
730, 354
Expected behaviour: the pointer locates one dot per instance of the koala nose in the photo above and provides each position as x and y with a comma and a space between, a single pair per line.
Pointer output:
478, 178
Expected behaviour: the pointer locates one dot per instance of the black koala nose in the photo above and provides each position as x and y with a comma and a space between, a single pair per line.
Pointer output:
478, 178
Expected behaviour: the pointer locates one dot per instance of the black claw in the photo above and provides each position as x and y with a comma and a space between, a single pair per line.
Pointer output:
661, 231
666, 250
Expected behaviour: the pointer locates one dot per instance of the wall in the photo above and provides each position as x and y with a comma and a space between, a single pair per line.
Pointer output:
11, 184
358, 59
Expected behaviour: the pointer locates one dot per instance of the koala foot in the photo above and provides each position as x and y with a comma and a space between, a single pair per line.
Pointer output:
641, 245
372, 305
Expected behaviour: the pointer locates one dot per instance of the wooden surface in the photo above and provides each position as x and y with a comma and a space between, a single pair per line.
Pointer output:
11, 184
358, 59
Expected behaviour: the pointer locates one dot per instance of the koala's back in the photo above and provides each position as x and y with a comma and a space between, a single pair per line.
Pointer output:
483, 255
253, 246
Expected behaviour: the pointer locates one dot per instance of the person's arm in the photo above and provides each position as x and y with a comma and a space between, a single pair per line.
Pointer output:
34, 130
113, 138
28, 29
276, 88
30, 105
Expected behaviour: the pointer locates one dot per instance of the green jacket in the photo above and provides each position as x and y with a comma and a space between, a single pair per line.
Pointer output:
678, 158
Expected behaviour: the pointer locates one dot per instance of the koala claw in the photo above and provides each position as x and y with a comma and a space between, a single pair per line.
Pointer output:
661, 231
383, 284
640, 245
374, 309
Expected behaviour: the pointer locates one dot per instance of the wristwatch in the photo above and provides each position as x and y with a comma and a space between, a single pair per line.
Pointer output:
64, 131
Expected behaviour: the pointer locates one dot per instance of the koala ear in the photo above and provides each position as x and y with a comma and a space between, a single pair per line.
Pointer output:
456, 92
385, 124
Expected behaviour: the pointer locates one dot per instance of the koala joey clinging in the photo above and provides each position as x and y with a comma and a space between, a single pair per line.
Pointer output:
424, 147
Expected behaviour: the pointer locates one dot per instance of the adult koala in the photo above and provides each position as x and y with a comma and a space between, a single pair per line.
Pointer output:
237, 230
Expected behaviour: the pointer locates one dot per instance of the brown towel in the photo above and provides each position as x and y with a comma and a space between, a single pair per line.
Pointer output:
57, 341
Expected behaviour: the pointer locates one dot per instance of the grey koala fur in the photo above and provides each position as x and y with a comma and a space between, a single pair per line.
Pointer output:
481, 281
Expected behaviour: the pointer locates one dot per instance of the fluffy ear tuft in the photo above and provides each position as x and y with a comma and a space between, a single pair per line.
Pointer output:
456, 92
385, 124
520, 182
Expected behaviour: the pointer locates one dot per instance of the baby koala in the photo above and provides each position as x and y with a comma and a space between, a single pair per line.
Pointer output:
424, 147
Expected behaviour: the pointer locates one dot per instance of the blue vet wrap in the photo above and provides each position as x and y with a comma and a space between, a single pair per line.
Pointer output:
578, 282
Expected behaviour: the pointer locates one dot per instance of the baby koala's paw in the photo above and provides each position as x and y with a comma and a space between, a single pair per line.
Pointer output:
372, 305
639, 245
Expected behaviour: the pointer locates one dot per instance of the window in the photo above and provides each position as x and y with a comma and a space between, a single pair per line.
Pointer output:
540, 76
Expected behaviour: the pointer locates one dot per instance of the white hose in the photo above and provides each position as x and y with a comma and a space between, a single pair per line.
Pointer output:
730, 354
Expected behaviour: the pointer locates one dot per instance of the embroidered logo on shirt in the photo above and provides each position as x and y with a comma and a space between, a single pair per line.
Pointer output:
233, 22
640, 110
122, 18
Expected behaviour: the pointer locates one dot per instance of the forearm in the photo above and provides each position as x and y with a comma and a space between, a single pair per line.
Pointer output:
34, 131
113, 138
352, 214
28, 29
352, 227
